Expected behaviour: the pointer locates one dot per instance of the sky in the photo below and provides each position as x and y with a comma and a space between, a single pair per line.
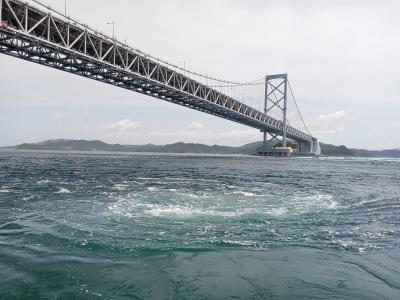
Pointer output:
342, 58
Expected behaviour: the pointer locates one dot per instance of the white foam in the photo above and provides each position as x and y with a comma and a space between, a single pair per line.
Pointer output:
190, 195
247, 194
324, 200
190, 212
280, 211
43, 181
345, 244
221, 205
315, 202
240, 243
120, 187
4, 191
63, 191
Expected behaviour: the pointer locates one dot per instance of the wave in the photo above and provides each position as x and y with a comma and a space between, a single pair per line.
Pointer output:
121, 186
44, 181
246, 194
189, 212
30, 197
63, 191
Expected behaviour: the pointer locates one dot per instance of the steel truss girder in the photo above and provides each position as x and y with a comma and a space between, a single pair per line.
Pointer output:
38, 36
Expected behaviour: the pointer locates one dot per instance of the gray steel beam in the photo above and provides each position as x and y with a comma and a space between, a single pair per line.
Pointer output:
285, 129
275, 76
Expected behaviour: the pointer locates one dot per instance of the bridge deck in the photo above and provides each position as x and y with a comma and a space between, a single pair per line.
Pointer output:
49, 39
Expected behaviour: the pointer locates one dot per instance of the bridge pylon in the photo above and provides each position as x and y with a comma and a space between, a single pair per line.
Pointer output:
276, 87
276, 97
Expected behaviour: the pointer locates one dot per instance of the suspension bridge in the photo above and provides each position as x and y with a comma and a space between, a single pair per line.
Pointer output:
37, 33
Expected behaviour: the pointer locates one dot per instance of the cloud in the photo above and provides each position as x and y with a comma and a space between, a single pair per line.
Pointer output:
195, 126
56, 115
121, 127
194, 132
197, 133
329, 124
396, 124
239, 134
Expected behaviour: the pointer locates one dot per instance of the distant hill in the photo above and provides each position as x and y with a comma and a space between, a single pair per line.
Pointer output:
382, 153
96, 145
332, 150
250, 149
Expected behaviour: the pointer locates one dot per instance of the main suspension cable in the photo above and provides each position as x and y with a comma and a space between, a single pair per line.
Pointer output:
298, 110
251, 83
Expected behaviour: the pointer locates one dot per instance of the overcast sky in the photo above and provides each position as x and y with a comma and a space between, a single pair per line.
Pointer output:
342, 57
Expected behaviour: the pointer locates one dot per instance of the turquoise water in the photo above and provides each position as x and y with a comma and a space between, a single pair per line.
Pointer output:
86, 226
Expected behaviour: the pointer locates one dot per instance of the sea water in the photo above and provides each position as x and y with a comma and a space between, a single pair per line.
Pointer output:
128, 226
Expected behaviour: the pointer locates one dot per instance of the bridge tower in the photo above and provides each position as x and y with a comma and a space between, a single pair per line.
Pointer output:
276, 96
276, 88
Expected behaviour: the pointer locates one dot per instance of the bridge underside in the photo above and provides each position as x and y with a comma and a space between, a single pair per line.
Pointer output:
56, 49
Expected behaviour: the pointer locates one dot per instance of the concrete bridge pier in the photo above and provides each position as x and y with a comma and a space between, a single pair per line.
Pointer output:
309, 148
304, 149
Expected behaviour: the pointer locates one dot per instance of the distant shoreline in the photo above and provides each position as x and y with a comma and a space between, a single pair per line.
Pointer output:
121, 153
172, 154
99, 147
